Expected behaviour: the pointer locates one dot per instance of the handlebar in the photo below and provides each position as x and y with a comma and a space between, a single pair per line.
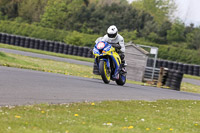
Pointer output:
117, 46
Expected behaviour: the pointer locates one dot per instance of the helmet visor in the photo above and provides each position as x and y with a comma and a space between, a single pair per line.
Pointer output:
112, 35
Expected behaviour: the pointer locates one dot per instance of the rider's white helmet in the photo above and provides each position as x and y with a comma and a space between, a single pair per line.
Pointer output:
112, 32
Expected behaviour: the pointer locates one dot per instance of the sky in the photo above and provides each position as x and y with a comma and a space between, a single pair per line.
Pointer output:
188, 11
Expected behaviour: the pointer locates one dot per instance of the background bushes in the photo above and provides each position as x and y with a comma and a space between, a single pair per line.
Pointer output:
24, 29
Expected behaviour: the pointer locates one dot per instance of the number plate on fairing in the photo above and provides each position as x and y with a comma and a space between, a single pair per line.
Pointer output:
101, 45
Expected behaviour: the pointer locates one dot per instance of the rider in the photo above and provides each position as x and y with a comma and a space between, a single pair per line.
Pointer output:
116, 40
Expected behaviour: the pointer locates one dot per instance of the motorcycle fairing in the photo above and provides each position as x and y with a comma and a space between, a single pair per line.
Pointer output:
105, 53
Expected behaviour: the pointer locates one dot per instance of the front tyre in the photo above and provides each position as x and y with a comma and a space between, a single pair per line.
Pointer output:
122, 80
104, 71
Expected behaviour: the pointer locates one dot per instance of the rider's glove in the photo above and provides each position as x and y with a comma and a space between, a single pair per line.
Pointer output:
117, 46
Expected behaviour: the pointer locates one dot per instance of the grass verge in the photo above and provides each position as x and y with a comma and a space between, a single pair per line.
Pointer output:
190, 87
46, 52
163, 116
19, 61
191, 77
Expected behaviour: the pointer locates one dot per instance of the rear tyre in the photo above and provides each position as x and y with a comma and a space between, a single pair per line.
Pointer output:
104, 71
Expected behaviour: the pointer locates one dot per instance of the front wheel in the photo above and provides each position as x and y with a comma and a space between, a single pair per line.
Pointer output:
104, 71
122, 80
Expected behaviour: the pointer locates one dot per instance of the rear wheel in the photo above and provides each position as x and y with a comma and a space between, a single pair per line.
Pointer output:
104, 71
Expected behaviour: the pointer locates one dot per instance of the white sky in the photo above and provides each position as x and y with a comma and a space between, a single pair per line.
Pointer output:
188, 11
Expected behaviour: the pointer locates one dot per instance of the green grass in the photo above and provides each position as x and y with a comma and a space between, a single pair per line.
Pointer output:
190, 87
19, 61
191, 77
163, 116
46, 52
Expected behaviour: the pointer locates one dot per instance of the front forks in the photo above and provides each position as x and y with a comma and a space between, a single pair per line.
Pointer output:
97, 60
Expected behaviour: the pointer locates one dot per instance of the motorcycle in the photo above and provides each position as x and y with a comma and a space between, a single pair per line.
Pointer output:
109, 63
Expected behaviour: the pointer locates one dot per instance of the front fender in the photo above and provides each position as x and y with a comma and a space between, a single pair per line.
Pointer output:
107, 62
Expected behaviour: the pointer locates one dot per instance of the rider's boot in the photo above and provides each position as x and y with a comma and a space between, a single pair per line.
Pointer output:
123, 63
123, 66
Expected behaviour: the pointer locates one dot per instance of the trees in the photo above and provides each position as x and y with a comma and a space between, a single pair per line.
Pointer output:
31, 10
110, 2
159, 9
176, 34
193, 39
28, 10
9, 8
124, 17
55, 14
81, 39
65, 14
162, 32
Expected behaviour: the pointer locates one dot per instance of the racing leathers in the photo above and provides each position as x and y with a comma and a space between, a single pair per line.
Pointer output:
118, 43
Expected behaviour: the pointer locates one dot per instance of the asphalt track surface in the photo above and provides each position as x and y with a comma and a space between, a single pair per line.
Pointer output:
22, 87
192, 81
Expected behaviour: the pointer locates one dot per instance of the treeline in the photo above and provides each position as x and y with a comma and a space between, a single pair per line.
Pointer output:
80, 22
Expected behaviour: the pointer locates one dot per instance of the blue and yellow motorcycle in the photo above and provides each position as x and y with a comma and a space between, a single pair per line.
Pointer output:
109, 63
